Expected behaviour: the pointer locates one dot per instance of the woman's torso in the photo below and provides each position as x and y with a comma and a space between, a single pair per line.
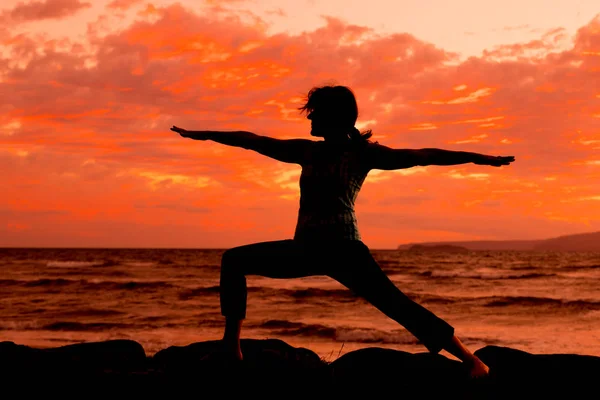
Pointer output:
329, 185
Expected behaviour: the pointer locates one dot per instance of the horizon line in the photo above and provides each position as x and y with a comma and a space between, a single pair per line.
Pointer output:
138, 248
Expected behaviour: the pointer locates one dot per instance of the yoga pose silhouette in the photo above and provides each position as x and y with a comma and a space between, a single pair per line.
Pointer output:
327, 240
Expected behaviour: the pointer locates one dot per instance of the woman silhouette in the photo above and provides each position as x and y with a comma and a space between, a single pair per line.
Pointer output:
327, 240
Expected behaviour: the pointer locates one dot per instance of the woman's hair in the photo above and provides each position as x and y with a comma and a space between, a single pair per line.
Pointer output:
339, 104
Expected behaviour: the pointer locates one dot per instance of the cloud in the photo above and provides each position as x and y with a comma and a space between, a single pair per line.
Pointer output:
87, 126
516, 27
122, 5
176, 207
47, 9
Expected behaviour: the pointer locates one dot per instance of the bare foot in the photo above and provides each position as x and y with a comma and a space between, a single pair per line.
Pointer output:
477, 369
225, 353
238, 355
232, 349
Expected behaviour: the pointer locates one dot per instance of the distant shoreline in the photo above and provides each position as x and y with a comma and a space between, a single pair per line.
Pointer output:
578, 242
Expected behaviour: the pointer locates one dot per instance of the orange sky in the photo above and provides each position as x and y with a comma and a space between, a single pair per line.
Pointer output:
89, 91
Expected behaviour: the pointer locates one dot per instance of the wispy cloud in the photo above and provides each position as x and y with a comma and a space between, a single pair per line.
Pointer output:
45, 9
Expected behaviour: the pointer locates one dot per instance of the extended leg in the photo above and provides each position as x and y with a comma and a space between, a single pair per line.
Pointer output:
360, 273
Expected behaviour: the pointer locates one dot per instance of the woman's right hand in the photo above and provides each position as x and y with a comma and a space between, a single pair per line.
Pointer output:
494, 161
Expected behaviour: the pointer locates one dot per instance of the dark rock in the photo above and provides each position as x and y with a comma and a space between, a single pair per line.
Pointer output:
383, 364
420, 374
267, 363
91, 367
260, 352
547, 374
513, 364
108, 355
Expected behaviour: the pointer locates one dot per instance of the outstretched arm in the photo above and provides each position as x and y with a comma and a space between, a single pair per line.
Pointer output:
289, 150
386, 158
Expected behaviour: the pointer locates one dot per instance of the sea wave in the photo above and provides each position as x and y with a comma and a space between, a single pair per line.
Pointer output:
81, 264
64, 326
85, 283
344, 334
196, 292
530, 301
485, 276
85, 326
580, 267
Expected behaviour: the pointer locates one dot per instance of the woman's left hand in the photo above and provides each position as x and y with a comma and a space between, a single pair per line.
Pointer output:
495, 161
181, 131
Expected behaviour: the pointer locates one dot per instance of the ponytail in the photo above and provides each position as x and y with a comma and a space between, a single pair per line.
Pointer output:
358, 137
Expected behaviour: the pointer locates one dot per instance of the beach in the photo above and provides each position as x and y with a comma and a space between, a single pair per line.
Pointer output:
539, 302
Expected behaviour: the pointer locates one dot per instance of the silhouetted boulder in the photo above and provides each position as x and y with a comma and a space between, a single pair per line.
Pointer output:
384, 364
267, 363
80, 357
547, 374
258, 352
420, 374
78, 368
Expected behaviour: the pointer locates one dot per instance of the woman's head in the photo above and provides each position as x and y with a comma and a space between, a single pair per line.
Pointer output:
333, 111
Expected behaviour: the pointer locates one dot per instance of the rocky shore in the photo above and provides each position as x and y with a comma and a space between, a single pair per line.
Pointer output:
272, 367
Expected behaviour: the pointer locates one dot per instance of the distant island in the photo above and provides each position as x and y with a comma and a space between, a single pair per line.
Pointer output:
439, 247
577, 242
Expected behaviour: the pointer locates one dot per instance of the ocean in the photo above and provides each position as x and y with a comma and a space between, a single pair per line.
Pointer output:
536, 301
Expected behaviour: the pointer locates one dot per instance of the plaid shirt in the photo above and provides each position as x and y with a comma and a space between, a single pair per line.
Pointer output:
329, 185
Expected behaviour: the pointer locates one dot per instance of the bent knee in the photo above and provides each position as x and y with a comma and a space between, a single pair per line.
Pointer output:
231, 261
229, 256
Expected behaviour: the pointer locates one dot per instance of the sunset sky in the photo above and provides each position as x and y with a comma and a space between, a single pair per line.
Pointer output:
89, 90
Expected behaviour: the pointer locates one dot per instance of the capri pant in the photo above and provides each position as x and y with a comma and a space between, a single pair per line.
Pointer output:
349, 262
